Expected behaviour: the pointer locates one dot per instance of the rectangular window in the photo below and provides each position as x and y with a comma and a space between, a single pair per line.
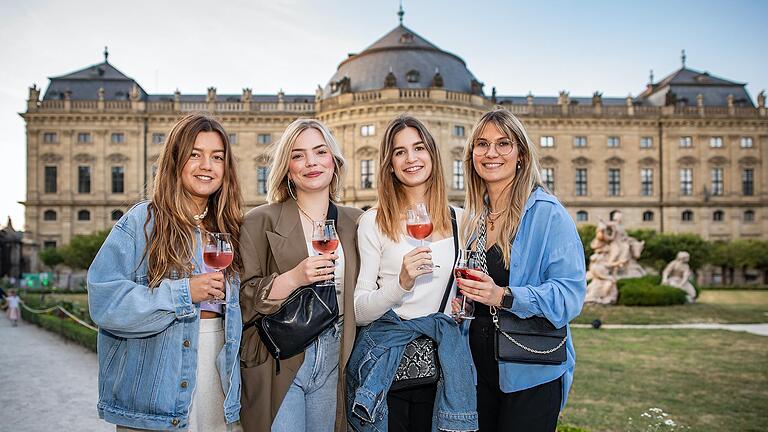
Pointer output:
614, 182
118, 179
745, 142
368, 130
366, 174
686, 142
581, 182
118, 138
51, 181
458, 131
547, 141
83, 138
646, 142
262, 174
458, 175
264, 138
686, 181
50, 138
49, 244
84, 179
580, 141
715, 142
614, 141
748, 182
717, 181
158, 138
646, 181
232, 138
548, 177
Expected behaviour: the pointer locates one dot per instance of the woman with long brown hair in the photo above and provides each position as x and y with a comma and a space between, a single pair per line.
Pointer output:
305, 391
167, 345
532, 267
396, 272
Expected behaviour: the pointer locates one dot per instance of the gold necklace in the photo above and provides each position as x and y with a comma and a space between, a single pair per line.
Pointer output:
307, 215
493, 216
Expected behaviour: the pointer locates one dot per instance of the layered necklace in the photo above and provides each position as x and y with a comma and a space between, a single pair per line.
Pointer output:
493, 216
314, 222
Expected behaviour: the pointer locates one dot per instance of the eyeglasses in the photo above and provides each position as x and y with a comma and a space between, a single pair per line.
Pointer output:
503, 147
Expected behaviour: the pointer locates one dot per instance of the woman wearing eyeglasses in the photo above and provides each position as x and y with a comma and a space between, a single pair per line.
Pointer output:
534, 267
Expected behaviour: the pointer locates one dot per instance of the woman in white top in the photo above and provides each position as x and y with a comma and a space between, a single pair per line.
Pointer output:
395, 271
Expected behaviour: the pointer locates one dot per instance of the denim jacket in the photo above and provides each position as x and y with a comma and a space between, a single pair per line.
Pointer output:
548, 279
374, 360
148, 338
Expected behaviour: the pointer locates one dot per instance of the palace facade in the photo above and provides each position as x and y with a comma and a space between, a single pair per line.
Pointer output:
687, 154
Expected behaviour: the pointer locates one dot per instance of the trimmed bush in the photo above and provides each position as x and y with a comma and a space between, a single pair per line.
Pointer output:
567, 428
646, 291
59, 323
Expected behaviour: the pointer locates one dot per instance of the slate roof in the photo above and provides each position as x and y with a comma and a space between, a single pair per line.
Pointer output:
84, 84
402, 51
684, 85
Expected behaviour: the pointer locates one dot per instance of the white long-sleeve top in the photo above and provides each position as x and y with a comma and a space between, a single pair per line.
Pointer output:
378, 283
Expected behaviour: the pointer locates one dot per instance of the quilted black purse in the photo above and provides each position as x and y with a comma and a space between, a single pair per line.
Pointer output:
532, 340
301, 319
420, 365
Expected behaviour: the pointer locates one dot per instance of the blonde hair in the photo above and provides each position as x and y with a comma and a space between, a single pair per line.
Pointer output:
392, 201
281, 158
526, 179
170, 247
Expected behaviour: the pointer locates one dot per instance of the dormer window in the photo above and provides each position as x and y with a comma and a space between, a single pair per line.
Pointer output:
412, 76
406, 38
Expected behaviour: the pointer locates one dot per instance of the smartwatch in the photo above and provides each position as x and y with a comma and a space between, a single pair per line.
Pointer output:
506, 298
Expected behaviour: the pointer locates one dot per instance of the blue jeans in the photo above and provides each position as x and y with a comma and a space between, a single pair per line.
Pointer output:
310, 404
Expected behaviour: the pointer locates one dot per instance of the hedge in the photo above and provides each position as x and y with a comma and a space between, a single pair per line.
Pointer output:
646, 291
62, 325
567, 428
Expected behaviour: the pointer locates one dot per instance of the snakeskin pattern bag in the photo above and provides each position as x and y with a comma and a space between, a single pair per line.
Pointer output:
420, 365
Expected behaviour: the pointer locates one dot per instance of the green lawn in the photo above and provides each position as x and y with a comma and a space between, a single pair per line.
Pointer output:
705, 379
735, 307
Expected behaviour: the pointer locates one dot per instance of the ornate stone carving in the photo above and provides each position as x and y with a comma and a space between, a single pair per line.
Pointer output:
390, 80
366, 152
581, 161
614, 160
84, 158
718, 160
648, 160
748, 161
117, 158
50, 158
548, 160
437, 80
678, 274
687, 160
457, 152
211, 97
261, 159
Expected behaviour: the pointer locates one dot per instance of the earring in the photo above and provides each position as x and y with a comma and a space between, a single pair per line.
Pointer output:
337, 184
519, 164
290, 192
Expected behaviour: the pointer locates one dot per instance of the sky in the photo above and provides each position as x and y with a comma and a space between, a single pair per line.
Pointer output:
542, 47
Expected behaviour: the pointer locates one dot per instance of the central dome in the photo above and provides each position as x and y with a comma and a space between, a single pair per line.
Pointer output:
402, 59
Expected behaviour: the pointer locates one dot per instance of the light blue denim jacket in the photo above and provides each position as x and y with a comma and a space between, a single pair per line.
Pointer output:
548, 279
374, 360
148, 338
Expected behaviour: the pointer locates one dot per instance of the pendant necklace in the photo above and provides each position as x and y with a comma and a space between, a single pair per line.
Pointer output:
199, 217
492, 216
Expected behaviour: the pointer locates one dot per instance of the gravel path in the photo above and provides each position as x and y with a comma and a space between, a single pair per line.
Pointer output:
47, 383
758, 329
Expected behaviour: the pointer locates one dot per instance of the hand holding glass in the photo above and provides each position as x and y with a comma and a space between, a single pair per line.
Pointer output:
467, 261
325, 241
218, 254
419, 225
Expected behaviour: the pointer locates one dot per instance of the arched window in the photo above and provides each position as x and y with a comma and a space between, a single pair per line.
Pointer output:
687, 216
749, 216
117, 214
83, 215
647, 216
412, 76
49, 215
582, 216
718, 216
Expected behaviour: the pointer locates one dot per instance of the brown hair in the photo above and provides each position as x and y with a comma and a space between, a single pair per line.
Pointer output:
526, 179
171, 243
392, 201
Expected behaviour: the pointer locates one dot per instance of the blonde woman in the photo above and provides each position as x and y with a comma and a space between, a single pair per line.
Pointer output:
165, 362
396, 272
535, 268
305, 180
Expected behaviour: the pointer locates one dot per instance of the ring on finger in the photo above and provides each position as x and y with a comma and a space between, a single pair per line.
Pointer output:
317, 272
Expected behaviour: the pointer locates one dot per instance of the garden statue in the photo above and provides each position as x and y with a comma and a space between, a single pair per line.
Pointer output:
677, 274
622, 250
602, 286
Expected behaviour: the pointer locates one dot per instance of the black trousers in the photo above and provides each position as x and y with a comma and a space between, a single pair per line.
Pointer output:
532, 410
410, 410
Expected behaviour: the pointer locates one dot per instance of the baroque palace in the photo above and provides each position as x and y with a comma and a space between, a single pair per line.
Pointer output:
687, 154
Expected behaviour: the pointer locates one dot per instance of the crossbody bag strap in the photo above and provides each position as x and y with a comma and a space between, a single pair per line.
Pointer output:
448, 287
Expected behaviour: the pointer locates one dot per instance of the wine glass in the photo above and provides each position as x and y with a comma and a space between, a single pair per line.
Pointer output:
467, 261
325, 241
418, 225
218, 254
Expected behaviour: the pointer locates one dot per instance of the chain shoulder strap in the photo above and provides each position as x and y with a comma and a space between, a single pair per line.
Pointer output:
495, 317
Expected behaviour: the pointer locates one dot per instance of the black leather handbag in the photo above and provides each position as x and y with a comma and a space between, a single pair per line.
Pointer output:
420, 365
301, 319
532, 340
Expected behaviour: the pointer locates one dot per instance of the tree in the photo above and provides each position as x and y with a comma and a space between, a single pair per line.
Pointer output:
587, 233
82, 249
52, 258
663, 248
